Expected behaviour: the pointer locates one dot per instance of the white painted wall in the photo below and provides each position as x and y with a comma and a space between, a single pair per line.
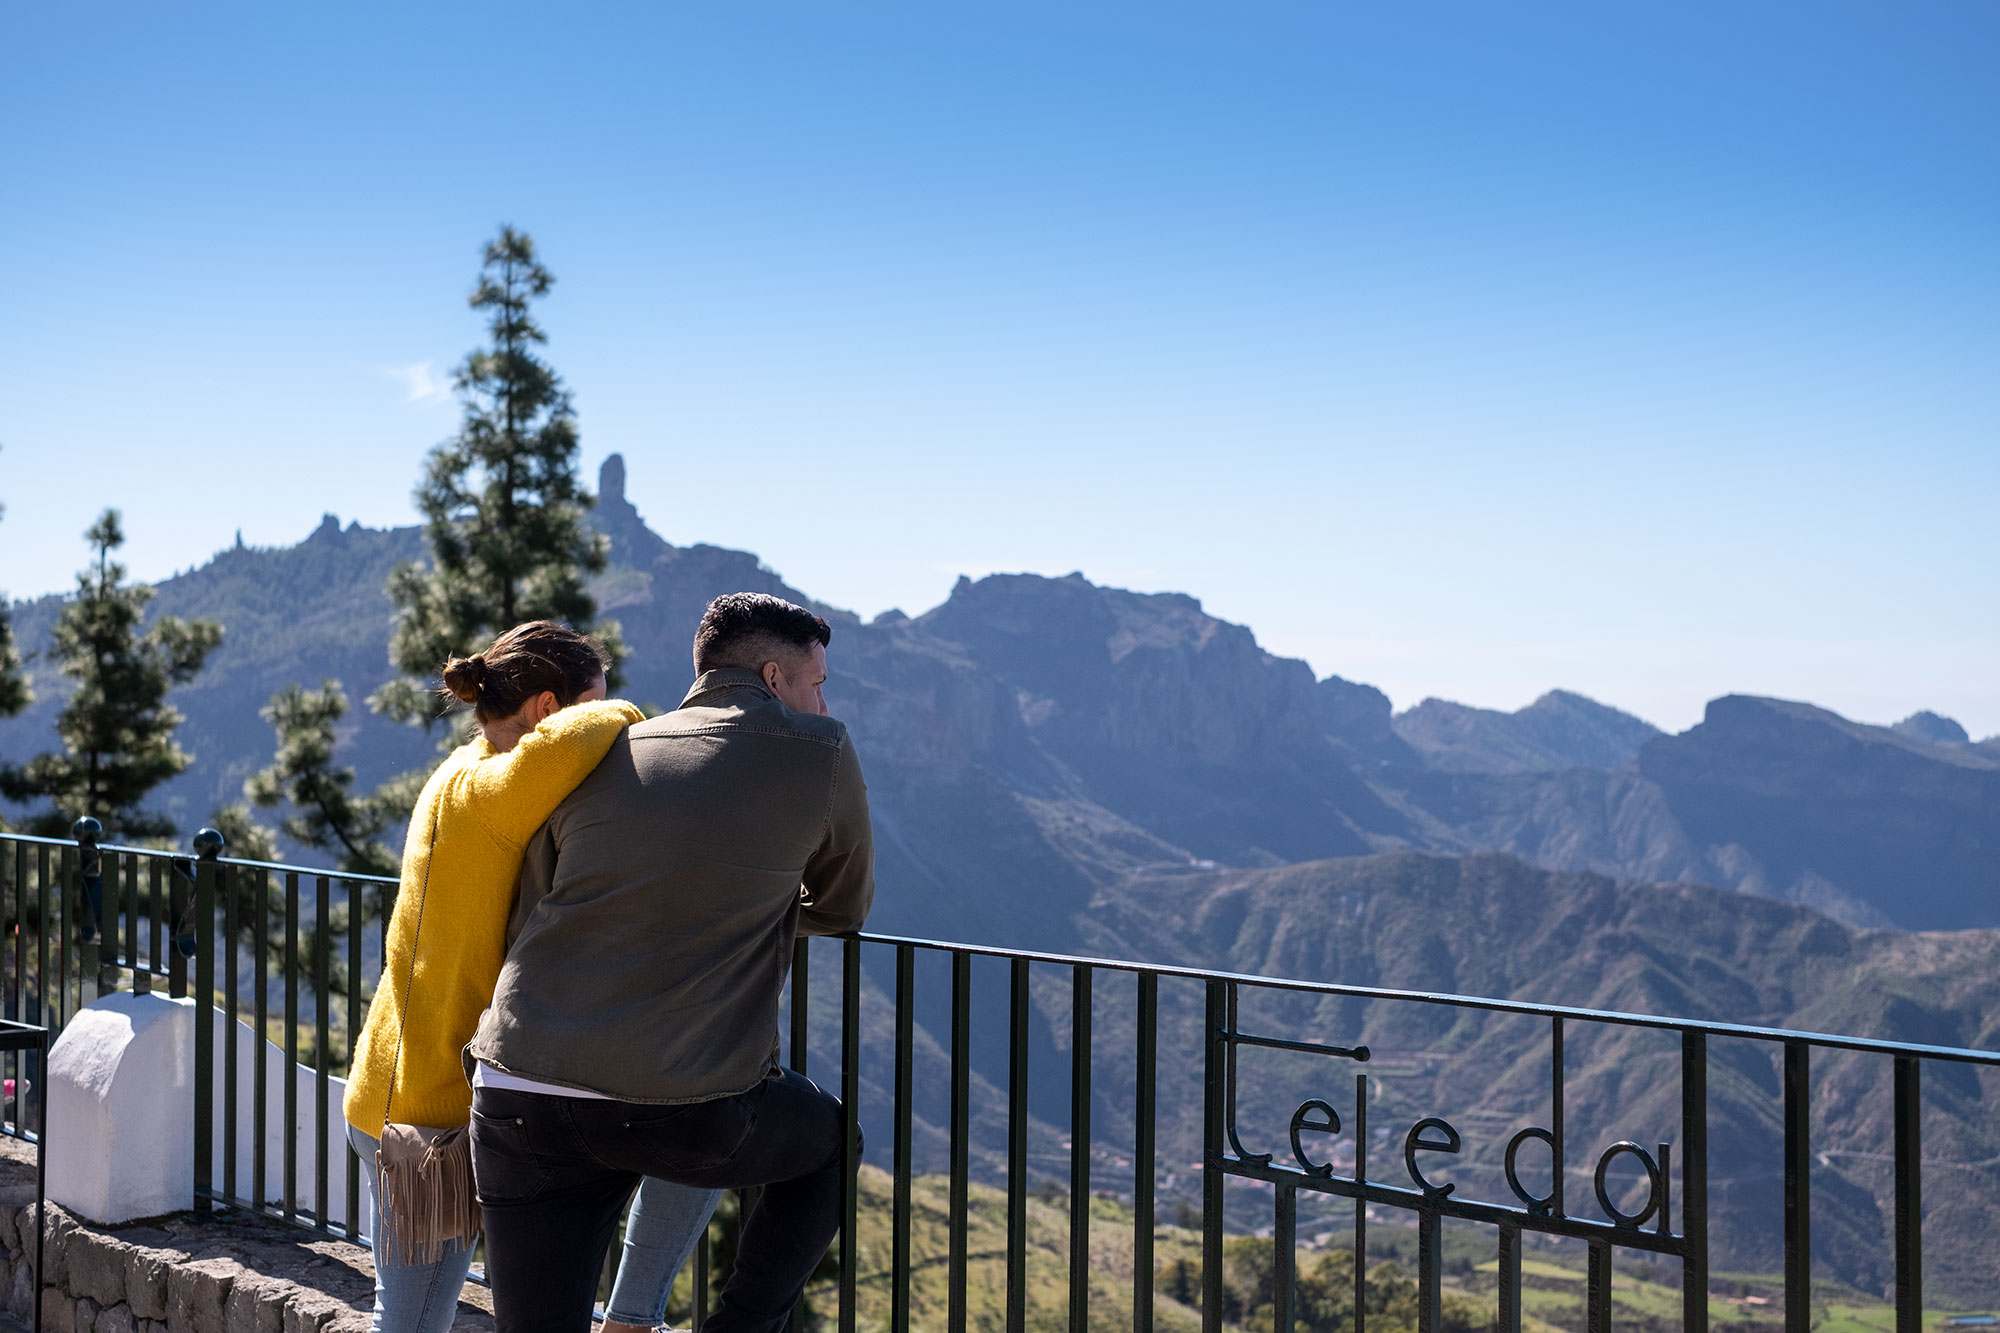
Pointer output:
121, 1114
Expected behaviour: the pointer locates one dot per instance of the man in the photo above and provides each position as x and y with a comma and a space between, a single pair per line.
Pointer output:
634, 1028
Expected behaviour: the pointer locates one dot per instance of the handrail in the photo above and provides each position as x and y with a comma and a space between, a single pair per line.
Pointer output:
1657, 1022
324, 871
1832, 1041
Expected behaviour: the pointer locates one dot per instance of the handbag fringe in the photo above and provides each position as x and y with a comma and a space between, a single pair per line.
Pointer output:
428, 1203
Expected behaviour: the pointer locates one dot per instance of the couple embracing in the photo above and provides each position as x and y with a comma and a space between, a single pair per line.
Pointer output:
584, 964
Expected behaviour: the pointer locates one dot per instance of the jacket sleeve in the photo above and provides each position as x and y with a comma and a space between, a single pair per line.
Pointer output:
512, 794
840, 876
537, 878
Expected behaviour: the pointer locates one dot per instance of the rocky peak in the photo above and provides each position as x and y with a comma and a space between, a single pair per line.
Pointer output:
1929, 726
1360, 716
1560, 730
633, 544
1145, 671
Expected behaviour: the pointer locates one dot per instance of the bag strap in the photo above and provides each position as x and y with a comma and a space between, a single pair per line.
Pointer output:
416, 937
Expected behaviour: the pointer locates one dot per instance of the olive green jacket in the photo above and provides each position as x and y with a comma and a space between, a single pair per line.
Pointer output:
658, 906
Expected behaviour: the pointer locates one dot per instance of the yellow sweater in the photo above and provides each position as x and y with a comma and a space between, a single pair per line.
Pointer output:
467, 836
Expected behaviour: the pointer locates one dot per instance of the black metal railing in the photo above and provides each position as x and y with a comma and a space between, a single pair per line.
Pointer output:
254, 941
168, 912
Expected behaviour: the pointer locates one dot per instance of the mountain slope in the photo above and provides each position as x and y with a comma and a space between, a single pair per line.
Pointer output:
1908, 826
1490, 925
1031, 736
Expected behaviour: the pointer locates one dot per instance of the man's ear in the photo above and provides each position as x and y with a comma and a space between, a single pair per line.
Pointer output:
772, 676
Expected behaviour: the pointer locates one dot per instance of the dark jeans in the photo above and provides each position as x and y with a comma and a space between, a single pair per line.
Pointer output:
554, 1172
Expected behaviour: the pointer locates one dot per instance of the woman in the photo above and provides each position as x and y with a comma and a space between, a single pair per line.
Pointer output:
538, 696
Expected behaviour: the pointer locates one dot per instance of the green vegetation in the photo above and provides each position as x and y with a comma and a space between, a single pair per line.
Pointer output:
328, 816
1324, 1286
14, 694
117, 729
503, 510
1646, 1294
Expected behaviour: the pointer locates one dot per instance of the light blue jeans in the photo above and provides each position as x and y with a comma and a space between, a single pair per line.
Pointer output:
666, 1221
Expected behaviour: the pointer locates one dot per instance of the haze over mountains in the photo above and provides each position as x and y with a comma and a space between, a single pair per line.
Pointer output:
1055, 731
1058, 765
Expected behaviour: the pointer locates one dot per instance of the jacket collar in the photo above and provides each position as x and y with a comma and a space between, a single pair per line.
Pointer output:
710, 685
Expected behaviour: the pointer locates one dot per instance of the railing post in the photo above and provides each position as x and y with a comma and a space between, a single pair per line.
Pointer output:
961, 1136
1213, 1095
1909, 1196
208, 845
357, 902
1360, 1204
40, 1013
291, 1079
1146, 1084
1284, 1257
905, 1092
19, 993
1598, 1317
801, 1039
801, 998
260, 1007
65, 927
90, 871
1430, 1271
41, 1183
232, 1108
142, 980
1798, 1187
1017, 1146
1556, 1101
322, 1049
180, 909
1694, 1181
1079, 1149
850, 1105
1509, 1279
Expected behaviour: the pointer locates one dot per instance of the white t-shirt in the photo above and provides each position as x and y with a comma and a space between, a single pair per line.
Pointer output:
486, 1076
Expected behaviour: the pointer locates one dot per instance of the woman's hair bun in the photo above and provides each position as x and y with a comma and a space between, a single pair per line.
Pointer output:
464, 675
528, 660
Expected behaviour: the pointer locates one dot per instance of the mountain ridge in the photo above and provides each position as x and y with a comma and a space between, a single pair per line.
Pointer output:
1089, 729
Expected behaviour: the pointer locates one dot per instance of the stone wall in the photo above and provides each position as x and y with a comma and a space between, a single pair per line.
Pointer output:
228, 1274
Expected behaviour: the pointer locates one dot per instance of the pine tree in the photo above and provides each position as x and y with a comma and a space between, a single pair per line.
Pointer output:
117, 729
328, 816
503, 509
242, 835
14, 695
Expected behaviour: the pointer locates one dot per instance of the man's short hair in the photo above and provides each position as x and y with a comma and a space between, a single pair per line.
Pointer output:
748, 629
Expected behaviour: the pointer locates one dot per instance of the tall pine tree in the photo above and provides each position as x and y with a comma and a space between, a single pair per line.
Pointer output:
503, 510
117, 729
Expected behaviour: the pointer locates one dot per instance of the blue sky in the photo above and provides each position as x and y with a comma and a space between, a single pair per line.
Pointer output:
1469, 350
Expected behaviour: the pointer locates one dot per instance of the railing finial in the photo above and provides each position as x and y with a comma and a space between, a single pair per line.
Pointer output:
90, 870
208, 844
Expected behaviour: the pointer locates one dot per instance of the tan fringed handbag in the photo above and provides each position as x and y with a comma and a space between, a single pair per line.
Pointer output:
424, 1175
